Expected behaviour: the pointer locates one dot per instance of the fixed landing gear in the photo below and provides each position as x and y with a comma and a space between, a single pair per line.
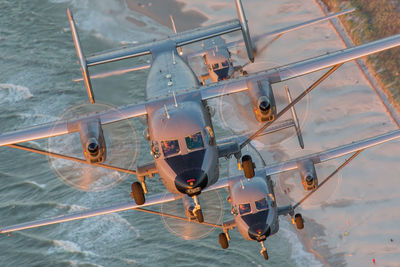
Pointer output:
137, 193
197, 212
248, 166
299, 221
263, 251
223, 241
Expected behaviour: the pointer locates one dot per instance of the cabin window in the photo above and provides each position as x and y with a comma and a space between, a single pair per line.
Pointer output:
194, 141
244, 208
225, 63
170, 147
215, 66
262, 204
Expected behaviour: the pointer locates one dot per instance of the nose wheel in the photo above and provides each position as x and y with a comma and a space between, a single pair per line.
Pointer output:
264, 251
198, 213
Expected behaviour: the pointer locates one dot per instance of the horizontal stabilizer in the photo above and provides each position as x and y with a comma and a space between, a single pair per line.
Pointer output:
291, 28
179, 39
115, 72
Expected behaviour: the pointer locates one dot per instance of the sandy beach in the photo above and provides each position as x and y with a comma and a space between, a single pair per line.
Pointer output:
353, 220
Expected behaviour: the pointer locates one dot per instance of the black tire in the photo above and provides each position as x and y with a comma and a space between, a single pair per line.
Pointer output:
137, 193
248, 166
265, 254
299, 221
223, 241
199, 215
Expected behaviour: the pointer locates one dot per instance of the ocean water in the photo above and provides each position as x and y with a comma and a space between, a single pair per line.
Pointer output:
37, 65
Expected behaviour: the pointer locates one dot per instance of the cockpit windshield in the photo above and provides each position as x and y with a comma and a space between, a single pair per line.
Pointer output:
225, 63
262, 204
170, 147
194, 141
244, 208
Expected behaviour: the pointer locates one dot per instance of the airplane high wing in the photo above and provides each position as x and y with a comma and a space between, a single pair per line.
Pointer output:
65, 127
222, 88
300, 68
222, 183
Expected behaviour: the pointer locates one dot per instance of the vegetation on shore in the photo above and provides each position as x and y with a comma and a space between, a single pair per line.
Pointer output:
371, 21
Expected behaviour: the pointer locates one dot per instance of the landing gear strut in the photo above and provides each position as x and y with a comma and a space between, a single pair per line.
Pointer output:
264, 251
197, 210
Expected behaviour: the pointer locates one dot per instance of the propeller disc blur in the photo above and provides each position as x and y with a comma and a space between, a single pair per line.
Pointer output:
212, 208
121, 146
235, 111
292, 190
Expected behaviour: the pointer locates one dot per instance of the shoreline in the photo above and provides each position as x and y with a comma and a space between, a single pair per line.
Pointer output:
319, 235
391, 105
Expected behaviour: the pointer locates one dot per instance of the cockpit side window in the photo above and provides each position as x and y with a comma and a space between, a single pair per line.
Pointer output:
244, 208
215, 66
262, 204
170, 147
194, 141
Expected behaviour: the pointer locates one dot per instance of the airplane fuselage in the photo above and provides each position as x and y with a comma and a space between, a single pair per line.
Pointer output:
180, 128
254, 207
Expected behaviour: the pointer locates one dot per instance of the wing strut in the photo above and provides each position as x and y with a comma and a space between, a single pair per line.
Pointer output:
178, 217
55, 155
295, 119
329, 177
81, 56
294, 102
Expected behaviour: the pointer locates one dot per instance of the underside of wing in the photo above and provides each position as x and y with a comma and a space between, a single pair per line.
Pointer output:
64, 127
332, 153
152, 200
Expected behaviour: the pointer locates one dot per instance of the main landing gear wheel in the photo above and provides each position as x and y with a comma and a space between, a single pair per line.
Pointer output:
223, 241
199, 215
299, 221
137, 193
248, 166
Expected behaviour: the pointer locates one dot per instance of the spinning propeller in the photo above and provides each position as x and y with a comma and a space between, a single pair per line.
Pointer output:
119, 149
235, 115
213, 210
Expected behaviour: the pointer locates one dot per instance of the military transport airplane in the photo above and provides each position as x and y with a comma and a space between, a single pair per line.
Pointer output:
187, 160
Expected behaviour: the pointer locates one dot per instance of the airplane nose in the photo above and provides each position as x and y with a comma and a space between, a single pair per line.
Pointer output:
259, 231
191, 182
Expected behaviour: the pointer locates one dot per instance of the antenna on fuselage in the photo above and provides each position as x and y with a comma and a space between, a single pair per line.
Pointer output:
173, 57
166, 111
241, 184
176, 103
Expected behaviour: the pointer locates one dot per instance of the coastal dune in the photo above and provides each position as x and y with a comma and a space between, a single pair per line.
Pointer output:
355, 223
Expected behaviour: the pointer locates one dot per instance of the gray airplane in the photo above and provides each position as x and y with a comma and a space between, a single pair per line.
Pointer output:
185, 149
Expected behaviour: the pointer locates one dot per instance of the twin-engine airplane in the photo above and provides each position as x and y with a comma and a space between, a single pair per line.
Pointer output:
183, 144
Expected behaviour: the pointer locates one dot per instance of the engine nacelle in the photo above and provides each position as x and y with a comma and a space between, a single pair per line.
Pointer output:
262, 99
308, 174
93, 142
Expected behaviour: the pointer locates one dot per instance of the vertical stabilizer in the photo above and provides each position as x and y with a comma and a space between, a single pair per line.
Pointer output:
245, 30
82, 60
